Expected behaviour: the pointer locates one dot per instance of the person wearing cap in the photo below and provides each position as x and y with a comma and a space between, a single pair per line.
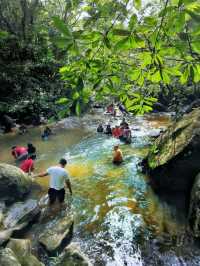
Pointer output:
59, 177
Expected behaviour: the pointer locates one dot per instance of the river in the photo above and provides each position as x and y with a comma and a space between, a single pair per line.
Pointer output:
118, 218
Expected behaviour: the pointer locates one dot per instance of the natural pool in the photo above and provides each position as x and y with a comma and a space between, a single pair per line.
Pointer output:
118, 218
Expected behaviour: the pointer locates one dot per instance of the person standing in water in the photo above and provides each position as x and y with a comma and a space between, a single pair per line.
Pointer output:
117, 156
27, 166
20, 153
59, 177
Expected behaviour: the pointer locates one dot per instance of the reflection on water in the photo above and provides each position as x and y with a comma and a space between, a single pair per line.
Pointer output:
117, 213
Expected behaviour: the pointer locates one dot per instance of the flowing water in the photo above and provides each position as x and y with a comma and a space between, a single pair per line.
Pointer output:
118, 218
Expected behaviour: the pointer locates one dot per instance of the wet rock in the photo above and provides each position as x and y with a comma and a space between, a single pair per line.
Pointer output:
14, 184
5, 235
73, 257
173, 160
194, 210
22, 251
8, 258
56, 232
21, 213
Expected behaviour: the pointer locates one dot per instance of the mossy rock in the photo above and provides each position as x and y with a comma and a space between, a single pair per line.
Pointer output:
176, 138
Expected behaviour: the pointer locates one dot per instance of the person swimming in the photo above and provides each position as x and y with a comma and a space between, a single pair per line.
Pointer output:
117, 156
108, 130
47, 132
100, 128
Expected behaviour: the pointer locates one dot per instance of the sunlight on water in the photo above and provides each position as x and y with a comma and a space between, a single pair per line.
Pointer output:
115, 208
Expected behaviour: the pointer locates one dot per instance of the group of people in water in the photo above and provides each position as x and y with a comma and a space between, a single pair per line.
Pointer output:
59, 176
25, 156
122, 132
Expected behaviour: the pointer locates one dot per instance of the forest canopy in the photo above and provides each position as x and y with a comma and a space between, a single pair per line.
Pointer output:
68, 53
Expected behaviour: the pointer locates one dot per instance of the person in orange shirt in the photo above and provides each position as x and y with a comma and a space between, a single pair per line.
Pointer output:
117, 156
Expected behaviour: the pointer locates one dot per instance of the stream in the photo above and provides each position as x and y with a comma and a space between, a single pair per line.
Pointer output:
119, 220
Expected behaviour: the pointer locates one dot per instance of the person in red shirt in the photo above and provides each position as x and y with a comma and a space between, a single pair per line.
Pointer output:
28, 165
19, 153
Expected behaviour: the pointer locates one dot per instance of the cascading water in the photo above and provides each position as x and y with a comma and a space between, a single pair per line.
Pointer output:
119, 220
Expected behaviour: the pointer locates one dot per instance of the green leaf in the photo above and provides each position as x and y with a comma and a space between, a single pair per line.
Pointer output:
3, 34
75, 95
121, 32
137, 4
184, 76
193, 15
62, 101
134, 75
196, 77
155, 78
78, 108
62, 42
132, 21
196, 46
165, 77
62, 27
107, 42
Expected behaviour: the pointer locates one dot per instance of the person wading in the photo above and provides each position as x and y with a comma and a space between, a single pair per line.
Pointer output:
117, 156
58, 179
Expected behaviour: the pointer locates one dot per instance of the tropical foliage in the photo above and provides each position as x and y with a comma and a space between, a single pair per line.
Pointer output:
130, 50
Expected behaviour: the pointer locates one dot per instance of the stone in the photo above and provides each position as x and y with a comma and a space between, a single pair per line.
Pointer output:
194, 209
5, 235
8, 258
14, 183
72, 256
21, 213
56, 232
173, 160
22, 250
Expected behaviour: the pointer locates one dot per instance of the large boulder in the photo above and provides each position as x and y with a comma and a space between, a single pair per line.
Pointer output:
73, 256
173, 160
22, 251
8, 258
14, 183
21, 213
194, 210
56, 233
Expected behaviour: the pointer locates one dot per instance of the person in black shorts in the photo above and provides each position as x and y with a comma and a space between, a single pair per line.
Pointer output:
58, 179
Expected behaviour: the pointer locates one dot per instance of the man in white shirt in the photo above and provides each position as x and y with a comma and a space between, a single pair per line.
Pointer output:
58, 179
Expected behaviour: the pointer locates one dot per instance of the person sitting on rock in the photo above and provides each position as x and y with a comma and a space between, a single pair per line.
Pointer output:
100, 128
28, 165
117, 156
47, 132
59, 177
31, 150
19, 153
108, 130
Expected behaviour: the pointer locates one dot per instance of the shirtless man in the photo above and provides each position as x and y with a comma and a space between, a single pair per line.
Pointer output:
117, 156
